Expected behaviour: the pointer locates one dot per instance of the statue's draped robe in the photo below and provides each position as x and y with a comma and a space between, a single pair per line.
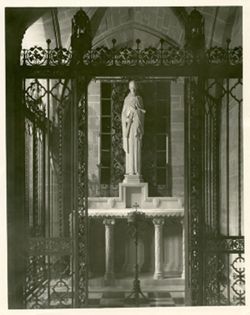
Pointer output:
132, 130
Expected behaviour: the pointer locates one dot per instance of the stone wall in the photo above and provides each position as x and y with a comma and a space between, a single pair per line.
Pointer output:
177, 137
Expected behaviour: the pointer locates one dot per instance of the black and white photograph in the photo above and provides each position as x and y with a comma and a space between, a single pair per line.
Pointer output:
124, 156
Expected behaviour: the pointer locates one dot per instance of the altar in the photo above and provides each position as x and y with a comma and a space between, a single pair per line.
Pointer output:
159, 253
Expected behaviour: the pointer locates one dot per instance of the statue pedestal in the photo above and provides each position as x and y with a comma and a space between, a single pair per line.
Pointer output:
132, 179
133, 190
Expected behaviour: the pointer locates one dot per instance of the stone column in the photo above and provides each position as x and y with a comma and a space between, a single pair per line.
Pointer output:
109, 250
183, 248
158, 223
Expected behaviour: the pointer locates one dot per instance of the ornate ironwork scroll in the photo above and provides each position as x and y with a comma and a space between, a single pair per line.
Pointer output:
150, 56
81, 215
224, 277
48, 273
194, 115
48, 281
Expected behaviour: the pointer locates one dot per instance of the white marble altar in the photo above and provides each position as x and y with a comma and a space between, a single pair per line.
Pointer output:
158, 209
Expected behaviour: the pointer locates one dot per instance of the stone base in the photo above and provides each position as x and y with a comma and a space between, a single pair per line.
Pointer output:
158, 275
109, 279
124, 283
133, 190
132, 179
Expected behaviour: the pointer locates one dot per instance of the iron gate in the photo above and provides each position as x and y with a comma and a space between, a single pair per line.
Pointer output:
55, 192
55, 104
224, 272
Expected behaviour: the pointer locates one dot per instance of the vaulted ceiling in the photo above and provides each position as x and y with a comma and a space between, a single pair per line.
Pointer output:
126, 24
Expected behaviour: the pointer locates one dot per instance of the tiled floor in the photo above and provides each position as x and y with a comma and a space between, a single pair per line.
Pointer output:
120, 299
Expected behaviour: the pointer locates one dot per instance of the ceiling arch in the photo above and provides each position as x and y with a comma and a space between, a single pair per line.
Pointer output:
130, 31
152, 23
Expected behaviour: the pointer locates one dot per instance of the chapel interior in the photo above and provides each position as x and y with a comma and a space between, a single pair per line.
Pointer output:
162, 247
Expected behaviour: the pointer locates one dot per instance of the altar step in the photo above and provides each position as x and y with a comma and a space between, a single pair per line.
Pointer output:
147, 283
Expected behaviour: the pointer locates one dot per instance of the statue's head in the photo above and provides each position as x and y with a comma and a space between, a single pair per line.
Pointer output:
133, 87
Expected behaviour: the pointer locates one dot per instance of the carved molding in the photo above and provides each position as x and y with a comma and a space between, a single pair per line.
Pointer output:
123, 213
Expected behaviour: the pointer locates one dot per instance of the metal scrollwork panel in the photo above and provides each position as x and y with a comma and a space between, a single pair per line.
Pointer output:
194, 186
210, 276
48, 281
81, 228
102, 55
231, 279
238, 279
36, 288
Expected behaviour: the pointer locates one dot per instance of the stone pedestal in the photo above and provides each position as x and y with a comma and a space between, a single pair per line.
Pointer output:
158, 223
132, 179
109, 250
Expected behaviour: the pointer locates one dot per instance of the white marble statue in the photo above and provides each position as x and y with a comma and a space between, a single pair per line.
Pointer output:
133, 129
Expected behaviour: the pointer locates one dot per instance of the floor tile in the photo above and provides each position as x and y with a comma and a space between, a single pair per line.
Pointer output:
113, 295
159, 294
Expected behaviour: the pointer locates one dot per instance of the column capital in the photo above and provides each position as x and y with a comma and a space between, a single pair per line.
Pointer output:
109, 221
158, 221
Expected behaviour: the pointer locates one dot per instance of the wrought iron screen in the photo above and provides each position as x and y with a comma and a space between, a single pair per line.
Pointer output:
214, 173
51, 204
224, 269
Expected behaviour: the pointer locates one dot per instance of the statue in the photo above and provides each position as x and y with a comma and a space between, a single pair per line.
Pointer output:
133, 129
